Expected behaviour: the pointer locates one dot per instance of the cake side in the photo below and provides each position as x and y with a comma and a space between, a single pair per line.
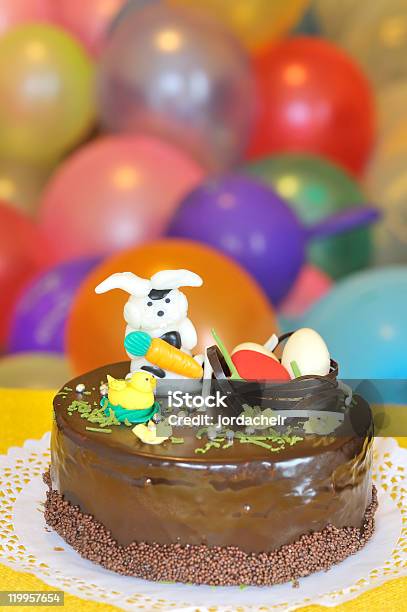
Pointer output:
227, 566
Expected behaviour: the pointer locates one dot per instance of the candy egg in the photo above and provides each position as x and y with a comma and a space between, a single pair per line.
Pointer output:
307, 352
254, 362
253, 346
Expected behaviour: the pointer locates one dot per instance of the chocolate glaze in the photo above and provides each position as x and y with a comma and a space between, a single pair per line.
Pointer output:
242, 496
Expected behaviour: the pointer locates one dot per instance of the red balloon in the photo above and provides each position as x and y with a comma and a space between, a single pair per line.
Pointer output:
23, 252
313, 98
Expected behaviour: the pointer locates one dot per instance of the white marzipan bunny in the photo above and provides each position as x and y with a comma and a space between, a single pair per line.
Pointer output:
158, 307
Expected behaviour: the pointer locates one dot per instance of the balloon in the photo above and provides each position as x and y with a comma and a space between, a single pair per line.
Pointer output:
178, 75
314, 99
23, 252
21, 185
39, 318
310, 286
255, 22
229, 300
363, 321
251, 223
129, 7
34, 371
46, 82
385, 178
114, 193
391, 109
14, 12
386, 182
88, 21
316, 188
334, 16
376, 36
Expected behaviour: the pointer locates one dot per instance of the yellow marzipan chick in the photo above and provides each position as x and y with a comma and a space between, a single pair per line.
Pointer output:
136, 393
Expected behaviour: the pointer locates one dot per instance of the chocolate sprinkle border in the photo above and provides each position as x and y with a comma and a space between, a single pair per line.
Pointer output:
194, 564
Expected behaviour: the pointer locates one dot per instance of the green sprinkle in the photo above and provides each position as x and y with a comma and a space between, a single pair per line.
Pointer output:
295, 369
93, 415
255, 442
242, 586
127, 422
67, 389
177, 440
208, 446
199, 434
96, 429
294, 439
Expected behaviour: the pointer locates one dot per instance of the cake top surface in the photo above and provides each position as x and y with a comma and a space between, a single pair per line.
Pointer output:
185, 442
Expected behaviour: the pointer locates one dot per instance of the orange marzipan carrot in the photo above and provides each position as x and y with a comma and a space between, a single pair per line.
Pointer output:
170, 358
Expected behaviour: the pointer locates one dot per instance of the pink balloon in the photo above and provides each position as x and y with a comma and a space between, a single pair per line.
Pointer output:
311, 285
114, 193
88, 20
14, 12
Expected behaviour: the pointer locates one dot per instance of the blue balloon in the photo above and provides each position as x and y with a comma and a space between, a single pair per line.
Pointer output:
363, 321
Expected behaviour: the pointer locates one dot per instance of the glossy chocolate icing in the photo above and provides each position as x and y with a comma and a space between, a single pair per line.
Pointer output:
242, 496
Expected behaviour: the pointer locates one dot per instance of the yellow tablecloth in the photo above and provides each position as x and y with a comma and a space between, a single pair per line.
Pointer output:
27, 414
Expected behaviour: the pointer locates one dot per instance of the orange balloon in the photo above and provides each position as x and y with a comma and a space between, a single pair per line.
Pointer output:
230, 300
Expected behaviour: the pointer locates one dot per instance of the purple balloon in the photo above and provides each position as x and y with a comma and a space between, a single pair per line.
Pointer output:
42, 311
249, 222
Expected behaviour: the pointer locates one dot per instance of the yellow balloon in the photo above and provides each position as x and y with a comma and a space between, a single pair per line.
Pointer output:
391, 119
376, 35
47, 93
21, 185
333, 15
386, 185
34, 371
255, 22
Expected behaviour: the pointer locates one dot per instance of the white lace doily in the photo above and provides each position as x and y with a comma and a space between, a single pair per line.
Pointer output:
27, 545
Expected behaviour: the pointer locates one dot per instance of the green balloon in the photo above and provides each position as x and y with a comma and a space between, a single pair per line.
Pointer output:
317, 188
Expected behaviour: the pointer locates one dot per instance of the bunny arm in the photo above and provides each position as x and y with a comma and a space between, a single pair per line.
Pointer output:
154, 333
189, 338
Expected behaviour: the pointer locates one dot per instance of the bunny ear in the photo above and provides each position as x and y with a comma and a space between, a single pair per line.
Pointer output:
134, 285
172, 279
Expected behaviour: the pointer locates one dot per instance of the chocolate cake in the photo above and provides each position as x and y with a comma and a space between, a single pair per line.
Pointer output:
236, 515
221, 504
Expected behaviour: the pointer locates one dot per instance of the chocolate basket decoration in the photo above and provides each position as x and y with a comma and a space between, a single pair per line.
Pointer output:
302, 393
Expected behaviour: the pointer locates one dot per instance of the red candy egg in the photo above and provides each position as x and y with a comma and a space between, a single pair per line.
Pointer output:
254, 362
